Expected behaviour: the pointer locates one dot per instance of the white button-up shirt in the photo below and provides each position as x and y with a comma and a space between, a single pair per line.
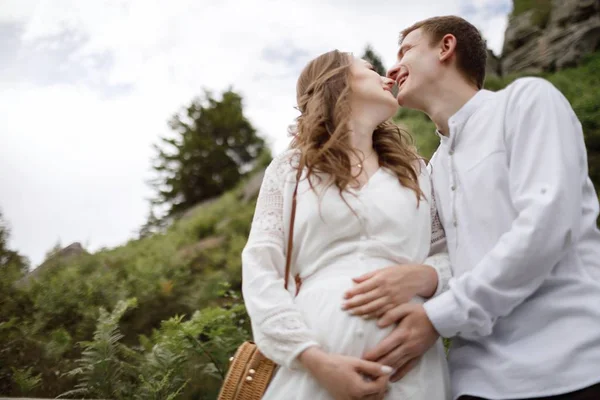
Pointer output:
519, 211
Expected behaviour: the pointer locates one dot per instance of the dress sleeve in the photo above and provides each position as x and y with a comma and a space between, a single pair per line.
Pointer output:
438, 254
279, 329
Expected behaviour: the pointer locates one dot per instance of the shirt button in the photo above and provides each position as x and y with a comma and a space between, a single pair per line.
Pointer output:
451, 152
453, 188
455, 223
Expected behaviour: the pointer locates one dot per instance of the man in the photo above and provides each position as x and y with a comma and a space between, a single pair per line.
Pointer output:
519, 211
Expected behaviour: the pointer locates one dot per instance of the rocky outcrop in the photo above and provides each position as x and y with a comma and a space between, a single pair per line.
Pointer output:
251, 189
492, 66
60, 257
560, 38
72, 250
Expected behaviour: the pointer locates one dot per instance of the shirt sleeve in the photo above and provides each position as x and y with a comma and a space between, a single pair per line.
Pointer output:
278, 327
544, 141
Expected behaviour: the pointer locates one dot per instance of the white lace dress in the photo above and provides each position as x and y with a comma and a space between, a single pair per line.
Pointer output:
332, 245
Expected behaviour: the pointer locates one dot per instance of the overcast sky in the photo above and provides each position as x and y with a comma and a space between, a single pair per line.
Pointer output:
86, 87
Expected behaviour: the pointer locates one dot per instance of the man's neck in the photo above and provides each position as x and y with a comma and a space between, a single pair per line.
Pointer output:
446, 102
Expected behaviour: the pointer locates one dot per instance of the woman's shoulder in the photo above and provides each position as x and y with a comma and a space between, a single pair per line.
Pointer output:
283, 165
421, 167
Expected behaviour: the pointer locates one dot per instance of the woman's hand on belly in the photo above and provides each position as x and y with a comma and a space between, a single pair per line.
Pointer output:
379, 291
346, 377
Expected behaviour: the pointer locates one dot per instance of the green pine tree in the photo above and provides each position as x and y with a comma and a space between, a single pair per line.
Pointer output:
212, 148
374, 59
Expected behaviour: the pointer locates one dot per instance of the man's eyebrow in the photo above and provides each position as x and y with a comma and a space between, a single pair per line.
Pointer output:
402, 49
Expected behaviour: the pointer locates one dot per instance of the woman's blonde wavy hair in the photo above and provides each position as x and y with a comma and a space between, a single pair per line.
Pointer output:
322, 135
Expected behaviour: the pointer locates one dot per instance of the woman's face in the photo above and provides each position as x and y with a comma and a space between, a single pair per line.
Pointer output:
370, 88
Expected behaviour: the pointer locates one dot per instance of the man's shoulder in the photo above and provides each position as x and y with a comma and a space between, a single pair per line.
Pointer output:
527, 88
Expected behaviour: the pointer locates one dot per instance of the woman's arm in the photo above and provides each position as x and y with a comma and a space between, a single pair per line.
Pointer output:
278, 326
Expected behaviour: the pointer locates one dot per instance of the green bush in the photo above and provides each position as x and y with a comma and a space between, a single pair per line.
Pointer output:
186, 358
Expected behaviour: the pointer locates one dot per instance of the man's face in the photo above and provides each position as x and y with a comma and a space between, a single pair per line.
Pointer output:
415, 69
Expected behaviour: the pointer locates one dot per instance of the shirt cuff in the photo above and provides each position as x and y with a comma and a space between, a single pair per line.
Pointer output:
441, 263
444, 313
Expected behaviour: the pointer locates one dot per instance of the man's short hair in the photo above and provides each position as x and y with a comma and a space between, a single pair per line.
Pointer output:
471, 48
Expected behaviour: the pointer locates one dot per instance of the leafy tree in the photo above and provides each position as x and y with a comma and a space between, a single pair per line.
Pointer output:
14, 305
375, 60
13, 266
212, 148
153, 225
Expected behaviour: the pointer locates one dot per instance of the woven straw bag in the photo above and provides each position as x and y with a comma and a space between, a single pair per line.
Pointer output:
250, 372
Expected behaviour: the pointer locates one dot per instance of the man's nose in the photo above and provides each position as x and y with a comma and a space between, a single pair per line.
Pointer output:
393, 72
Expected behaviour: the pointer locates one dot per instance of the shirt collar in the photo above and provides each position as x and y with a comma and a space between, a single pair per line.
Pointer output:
460, 118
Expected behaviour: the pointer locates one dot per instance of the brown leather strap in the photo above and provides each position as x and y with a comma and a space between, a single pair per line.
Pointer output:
290, 246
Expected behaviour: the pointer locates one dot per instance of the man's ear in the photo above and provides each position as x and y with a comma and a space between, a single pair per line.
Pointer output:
447, 47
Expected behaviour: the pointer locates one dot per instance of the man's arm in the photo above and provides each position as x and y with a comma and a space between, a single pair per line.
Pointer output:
545, 145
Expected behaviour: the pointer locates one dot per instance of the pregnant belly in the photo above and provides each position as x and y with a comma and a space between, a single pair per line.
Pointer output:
320, 300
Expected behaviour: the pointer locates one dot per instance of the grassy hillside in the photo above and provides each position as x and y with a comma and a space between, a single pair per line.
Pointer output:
123, 323
194, 265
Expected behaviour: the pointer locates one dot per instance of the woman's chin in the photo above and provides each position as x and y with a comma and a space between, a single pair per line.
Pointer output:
392, 103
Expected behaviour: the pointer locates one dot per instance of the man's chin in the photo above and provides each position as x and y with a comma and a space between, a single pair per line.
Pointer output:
401, 100
404, 101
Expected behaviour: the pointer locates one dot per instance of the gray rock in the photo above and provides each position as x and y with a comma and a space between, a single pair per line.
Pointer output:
492, 66
572, 32
252, 188
72, 251
520, 30
567, 12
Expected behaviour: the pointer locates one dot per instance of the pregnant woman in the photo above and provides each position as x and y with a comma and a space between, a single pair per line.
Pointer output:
364, 202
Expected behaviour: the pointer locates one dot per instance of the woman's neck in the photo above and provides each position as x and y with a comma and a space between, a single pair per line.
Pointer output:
361, 134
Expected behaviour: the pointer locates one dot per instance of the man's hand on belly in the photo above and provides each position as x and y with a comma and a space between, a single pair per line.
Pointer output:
380, 291
405, 345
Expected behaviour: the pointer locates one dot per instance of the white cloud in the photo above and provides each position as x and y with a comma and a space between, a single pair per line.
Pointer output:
76, 153
17, 10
